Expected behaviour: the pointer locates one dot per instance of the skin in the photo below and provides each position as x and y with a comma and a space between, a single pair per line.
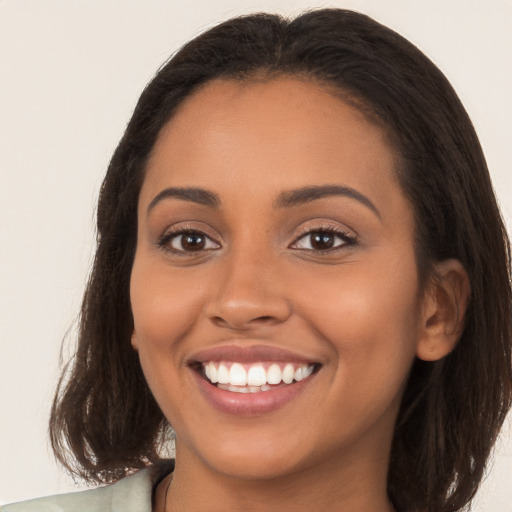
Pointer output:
358, 310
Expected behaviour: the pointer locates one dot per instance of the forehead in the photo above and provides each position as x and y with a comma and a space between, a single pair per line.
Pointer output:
282, 107
266, 136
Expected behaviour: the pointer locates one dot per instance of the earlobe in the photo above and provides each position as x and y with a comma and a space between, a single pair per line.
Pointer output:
134, 341
445, 302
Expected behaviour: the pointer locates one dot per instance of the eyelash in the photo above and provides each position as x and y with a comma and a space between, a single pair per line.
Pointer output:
348, 239
166, 240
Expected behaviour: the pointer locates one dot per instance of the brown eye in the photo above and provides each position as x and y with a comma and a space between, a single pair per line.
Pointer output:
323, 240
188, 241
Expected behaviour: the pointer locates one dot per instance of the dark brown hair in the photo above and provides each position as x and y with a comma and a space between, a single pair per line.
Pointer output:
105, 422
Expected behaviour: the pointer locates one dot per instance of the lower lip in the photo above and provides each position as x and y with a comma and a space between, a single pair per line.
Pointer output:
250, 404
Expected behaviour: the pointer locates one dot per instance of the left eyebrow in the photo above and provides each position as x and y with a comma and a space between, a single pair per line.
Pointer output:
303, 195
192, 194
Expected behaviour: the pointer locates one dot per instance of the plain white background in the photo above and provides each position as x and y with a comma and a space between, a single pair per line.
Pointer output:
70, 73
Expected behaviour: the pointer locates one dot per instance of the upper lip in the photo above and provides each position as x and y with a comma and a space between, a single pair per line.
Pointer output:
248, 354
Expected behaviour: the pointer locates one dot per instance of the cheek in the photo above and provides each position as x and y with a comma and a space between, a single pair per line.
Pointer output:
370, 320
164, 304
165, 311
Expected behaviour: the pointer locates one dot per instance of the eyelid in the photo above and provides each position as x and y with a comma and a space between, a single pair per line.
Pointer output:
348, 236
183, 228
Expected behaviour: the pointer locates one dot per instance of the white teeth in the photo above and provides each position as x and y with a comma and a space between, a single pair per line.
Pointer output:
307, 371
223, 374
288, 374
213, 372
302, 372
244, 389
256, 376
274, 374
235, 377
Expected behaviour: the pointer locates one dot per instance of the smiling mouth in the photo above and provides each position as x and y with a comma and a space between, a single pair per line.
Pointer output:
256, 377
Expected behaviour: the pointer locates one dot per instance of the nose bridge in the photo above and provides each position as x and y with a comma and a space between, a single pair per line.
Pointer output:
248, 290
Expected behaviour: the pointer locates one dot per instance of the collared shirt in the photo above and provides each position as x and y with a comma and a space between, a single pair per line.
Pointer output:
131, 494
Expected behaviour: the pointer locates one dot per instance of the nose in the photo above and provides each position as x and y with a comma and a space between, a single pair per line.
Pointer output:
249, 293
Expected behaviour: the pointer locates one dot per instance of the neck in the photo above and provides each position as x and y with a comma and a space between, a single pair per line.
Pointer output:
353, 486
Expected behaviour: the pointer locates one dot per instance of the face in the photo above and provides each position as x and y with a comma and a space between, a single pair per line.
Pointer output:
275, 247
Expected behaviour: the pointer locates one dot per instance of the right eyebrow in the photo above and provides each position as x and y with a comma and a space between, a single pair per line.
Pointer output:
303, 195
193, 194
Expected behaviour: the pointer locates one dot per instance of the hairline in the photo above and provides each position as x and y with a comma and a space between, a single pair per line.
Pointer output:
266, 75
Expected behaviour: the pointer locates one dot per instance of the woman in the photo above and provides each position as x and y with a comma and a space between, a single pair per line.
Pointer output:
301, 267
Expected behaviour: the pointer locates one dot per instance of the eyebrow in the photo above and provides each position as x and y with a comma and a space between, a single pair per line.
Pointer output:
287, 199
195, 195
303, 195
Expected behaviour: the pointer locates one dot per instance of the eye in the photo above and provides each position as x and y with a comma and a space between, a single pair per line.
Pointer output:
188, 241
323, 240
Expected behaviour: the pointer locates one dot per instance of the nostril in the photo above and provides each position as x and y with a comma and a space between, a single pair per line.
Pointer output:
243, 314
244, 323
263, 318
219, 320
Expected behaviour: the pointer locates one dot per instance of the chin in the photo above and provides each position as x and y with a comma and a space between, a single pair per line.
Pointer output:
260, 458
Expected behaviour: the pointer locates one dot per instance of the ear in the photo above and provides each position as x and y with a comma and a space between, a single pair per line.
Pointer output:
133, 341
445, 303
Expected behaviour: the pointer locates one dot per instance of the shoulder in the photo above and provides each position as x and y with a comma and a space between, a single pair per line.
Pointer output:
131, 494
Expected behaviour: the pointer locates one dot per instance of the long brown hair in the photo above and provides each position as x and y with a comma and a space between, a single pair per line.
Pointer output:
105, 422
